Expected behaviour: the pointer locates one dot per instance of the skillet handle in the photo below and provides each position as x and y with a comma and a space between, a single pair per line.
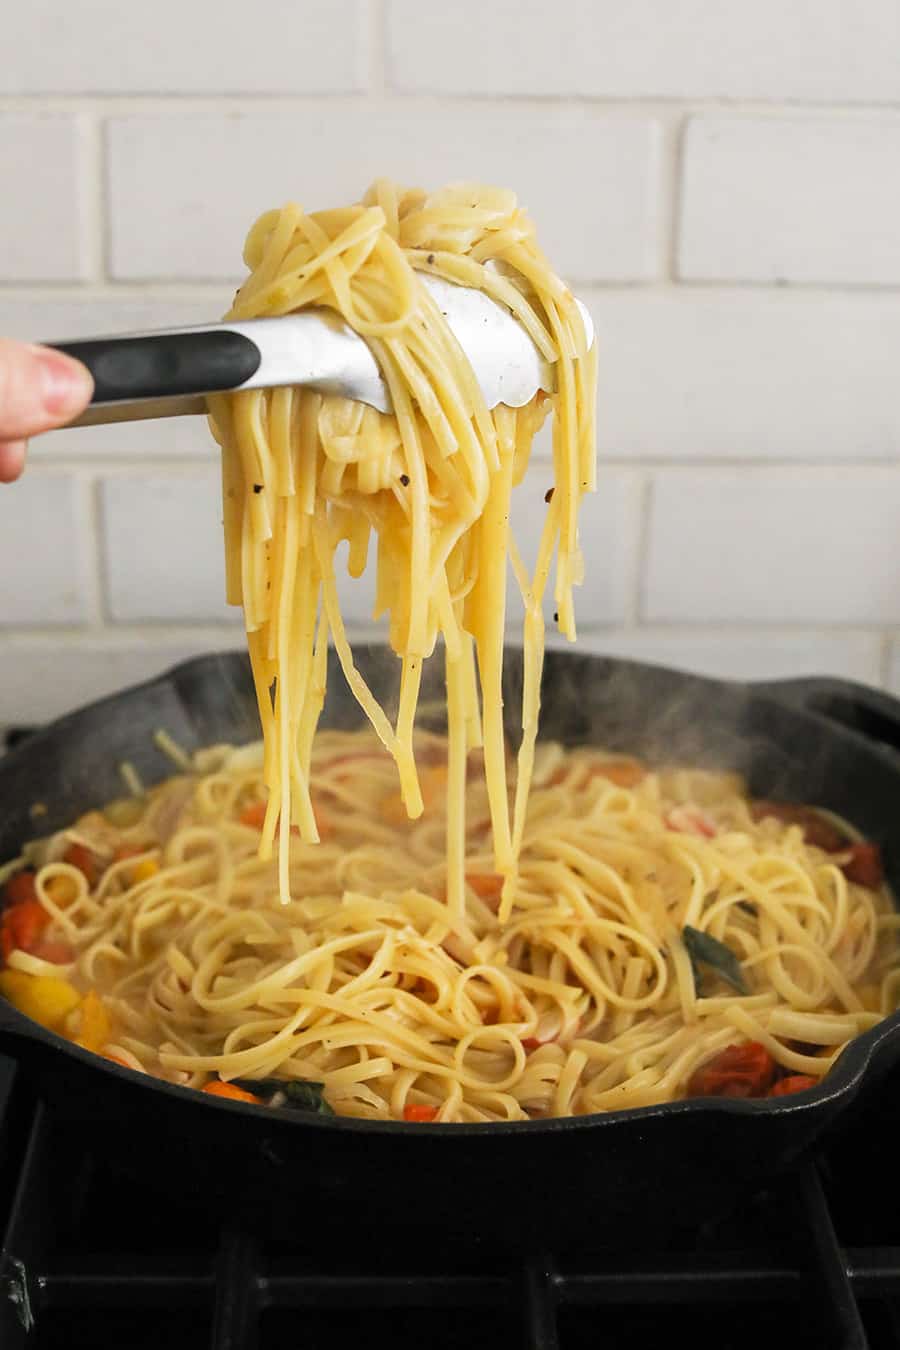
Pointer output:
867, 712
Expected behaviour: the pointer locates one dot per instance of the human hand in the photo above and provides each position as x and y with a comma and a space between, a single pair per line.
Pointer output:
39, 389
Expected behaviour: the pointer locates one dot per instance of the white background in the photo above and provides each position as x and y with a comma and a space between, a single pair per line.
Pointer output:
720, 178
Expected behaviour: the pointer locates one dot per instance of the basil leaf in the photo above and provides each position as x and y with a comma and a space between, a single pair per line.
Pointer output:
306, 1096
708, 951
300, 1093
260, 1087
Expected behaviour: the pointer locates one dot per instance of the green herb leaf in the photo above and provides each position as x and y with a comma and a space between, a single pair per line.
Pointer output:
306, 1096
300, 1094
708, 951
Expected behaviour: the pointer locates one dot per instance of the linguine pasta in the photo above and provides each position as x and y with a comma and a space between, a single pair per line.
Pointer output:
461, 935
366, 982
427, 490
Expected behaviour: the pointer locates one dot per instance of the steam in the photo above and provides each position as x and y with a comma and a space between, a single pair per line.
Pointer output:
666, 717
662, 716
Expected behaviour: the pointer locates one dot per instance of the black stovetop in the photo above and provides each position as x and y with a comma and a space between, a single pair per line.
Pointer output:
90, 1260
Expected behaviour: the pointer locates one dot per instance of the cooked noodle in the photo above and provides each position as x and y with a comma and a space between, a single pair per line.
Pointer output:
303, 473
584, 1001
479, 937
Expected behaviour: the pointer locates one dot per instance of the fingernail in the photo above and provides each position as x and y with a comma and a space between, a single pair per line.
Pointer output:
65, 384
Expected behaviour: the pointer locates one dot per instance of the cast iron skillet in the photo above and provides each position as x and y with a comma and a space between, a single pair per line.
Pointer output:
821, 742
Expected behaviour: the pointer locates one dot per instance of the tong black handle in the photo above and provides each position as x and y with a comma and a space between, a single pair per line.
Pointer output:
165, 365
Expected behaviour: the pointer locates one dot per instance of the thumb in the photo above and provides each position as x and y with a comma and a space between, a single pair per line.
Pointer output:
39, 388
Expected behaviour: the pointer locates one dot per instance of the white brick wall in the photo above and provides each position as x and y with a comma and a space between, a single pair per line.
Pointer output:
748, 374
42, 236
792, 199
719, 178
325, 153
786, 546
162, 546
43, 552
44, 676
608, 531
186, 47
840, 50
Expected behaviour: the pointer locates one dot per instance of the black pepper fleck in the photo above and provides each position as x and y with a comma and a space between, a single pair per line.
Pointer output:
548, 496
404, 479
430, 259
556, 616
257, 487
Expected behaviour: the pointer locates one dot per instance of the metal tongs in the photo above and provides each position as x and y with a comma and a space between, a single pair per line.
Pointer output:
166, 373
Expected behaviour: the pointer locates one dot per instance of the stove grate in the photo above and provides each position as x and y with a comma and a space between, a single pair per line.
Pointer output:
94, 1264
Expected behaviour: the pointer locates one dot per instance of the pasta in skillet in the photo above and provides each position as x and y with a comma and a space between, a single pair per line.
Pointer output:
446, 931
669, 937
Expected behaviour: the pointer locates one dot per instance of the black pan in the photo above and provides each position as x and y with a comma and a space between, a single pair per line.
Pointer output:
626, 1173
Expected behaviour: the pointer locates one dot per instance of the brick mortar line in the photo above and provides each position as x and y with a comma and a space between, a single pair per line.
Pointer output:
135, 463
148, 102
748, 284
376, 26
116, 635
92, 552
161, 633
637, 547
884, 659
735, 627
668, 186
100, 553
643, 553
699, 104
176, 292
217, 290
888, 464
91, 200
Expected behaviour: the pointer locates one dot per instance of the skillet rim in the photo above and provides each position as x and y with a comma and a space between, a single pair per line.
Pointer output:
840, 1086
